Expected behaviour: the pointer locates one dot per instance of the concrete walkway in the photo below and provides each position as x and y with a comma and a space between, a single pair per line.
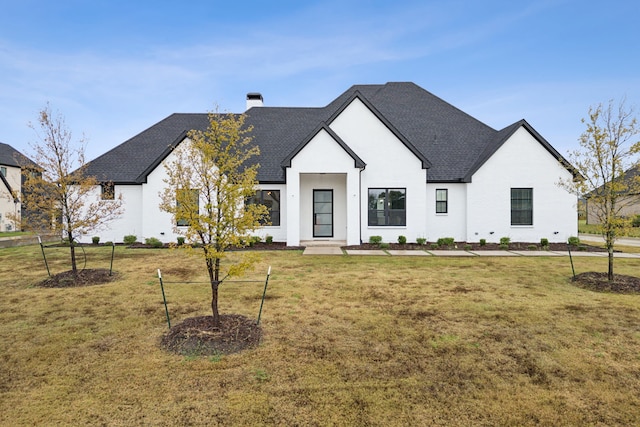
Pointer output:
336, 250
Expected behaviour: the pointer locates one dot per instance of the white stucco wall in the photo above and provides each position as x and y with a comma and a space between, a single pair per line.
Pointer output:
450, 224
390, 164
156, 223
324, 165
522, 162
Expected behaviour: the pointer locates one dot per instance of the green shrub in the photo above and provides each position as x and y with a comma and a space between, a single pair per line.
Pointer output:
180, 240
421, 241
254, 239
434, 246
130, 239
532, 247
376, 240
108, 243
402, 240
574, 241
446, 241
503, 246
384, 246
269, 239
505, 241
153, 242
467, 247
544, 242
95, 240
483, 242
635, 221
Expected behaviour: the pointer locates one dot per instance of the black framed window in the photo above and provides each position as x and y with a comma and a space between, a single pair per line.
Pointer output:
187, 206
270, 199
442, 200
387, 207
522, 206
107, 191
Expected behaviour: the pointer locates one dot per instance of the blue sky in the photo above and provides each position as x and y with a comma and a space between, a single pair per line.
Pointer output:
113, 68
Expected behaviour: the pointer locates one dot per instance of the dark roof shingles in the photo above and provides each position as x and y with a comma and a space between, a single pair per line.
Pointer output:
451, 140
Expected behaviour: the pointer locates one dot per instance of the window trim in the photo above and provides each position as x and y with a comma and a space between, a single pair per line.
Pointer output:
445, 201
518, 212
387, 211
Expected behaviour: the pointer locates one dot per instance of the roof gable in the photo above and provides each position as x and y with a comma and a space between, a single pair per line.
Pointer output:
503, 136
9, 156
357, 95
358, 163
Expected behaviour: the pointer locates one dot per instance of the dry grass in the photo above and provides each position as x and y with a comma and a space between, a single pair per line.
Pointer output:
348, 341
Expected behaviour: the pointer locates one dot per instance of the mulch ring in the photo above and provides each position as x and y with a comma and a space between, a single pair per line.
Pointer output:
196, 336
598, 282
69, 279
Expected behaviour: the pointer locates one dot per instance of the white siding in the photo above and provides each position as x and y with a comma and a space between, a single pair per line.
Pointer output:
390, 164
322, 164
522, 162
454, 222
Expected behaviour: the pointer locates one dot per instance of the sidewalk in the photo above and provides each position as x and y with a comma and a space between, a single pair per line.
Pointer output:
335, 250
596, 238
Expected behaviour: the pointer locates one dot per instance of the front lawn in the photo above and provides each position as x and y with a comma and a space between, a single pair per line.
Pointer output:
585, 228
347, 340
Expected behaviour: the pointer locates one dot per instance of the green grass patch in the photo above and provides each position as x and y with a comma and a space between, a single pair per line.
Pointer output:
14, 233
585, 228
347, 341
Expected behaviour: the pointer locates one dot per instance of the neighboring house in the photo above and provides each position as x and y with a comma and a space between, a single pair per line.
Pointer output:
628, 203
385, 160
12, 163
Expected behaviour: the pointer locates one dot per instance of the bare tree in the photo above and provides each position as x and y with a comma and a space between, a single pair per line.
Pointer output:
59, 196
609, 148
208, 182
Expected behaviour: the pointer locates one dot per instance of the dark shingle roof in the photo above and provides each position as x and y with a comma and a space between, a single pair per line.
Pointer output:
9, 156
451, 143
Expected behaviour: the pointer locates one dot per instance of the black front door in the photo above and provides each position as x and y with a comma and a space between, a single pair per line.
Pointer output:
322, 213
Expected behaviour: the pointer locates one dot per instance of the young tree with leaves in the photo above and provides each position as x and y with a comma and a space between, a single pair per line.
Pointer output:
609, 148
60, 197
208, 181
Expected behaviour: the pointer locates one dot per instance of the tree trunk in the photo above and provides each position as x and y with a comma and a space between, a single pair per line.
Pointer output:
213, 268
74, 266
214, 303
610, 272
609, 243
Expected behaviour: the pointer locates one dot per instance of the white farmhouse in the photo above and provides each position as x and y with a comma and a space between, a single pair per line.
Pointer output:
380, 160
12, 163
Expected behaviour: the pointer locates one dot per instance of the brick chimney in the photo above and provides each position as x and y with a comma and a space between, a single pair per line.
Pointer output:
254, 99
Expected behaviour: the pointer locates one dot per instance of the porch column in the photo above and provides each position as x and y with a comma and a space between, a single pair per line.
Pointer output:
293, 208
353, 207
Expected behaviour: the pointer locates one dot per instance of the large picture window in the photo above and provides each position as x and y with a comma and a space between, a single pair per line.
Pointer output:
387, 207
442, 201
270, 199
522, 206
